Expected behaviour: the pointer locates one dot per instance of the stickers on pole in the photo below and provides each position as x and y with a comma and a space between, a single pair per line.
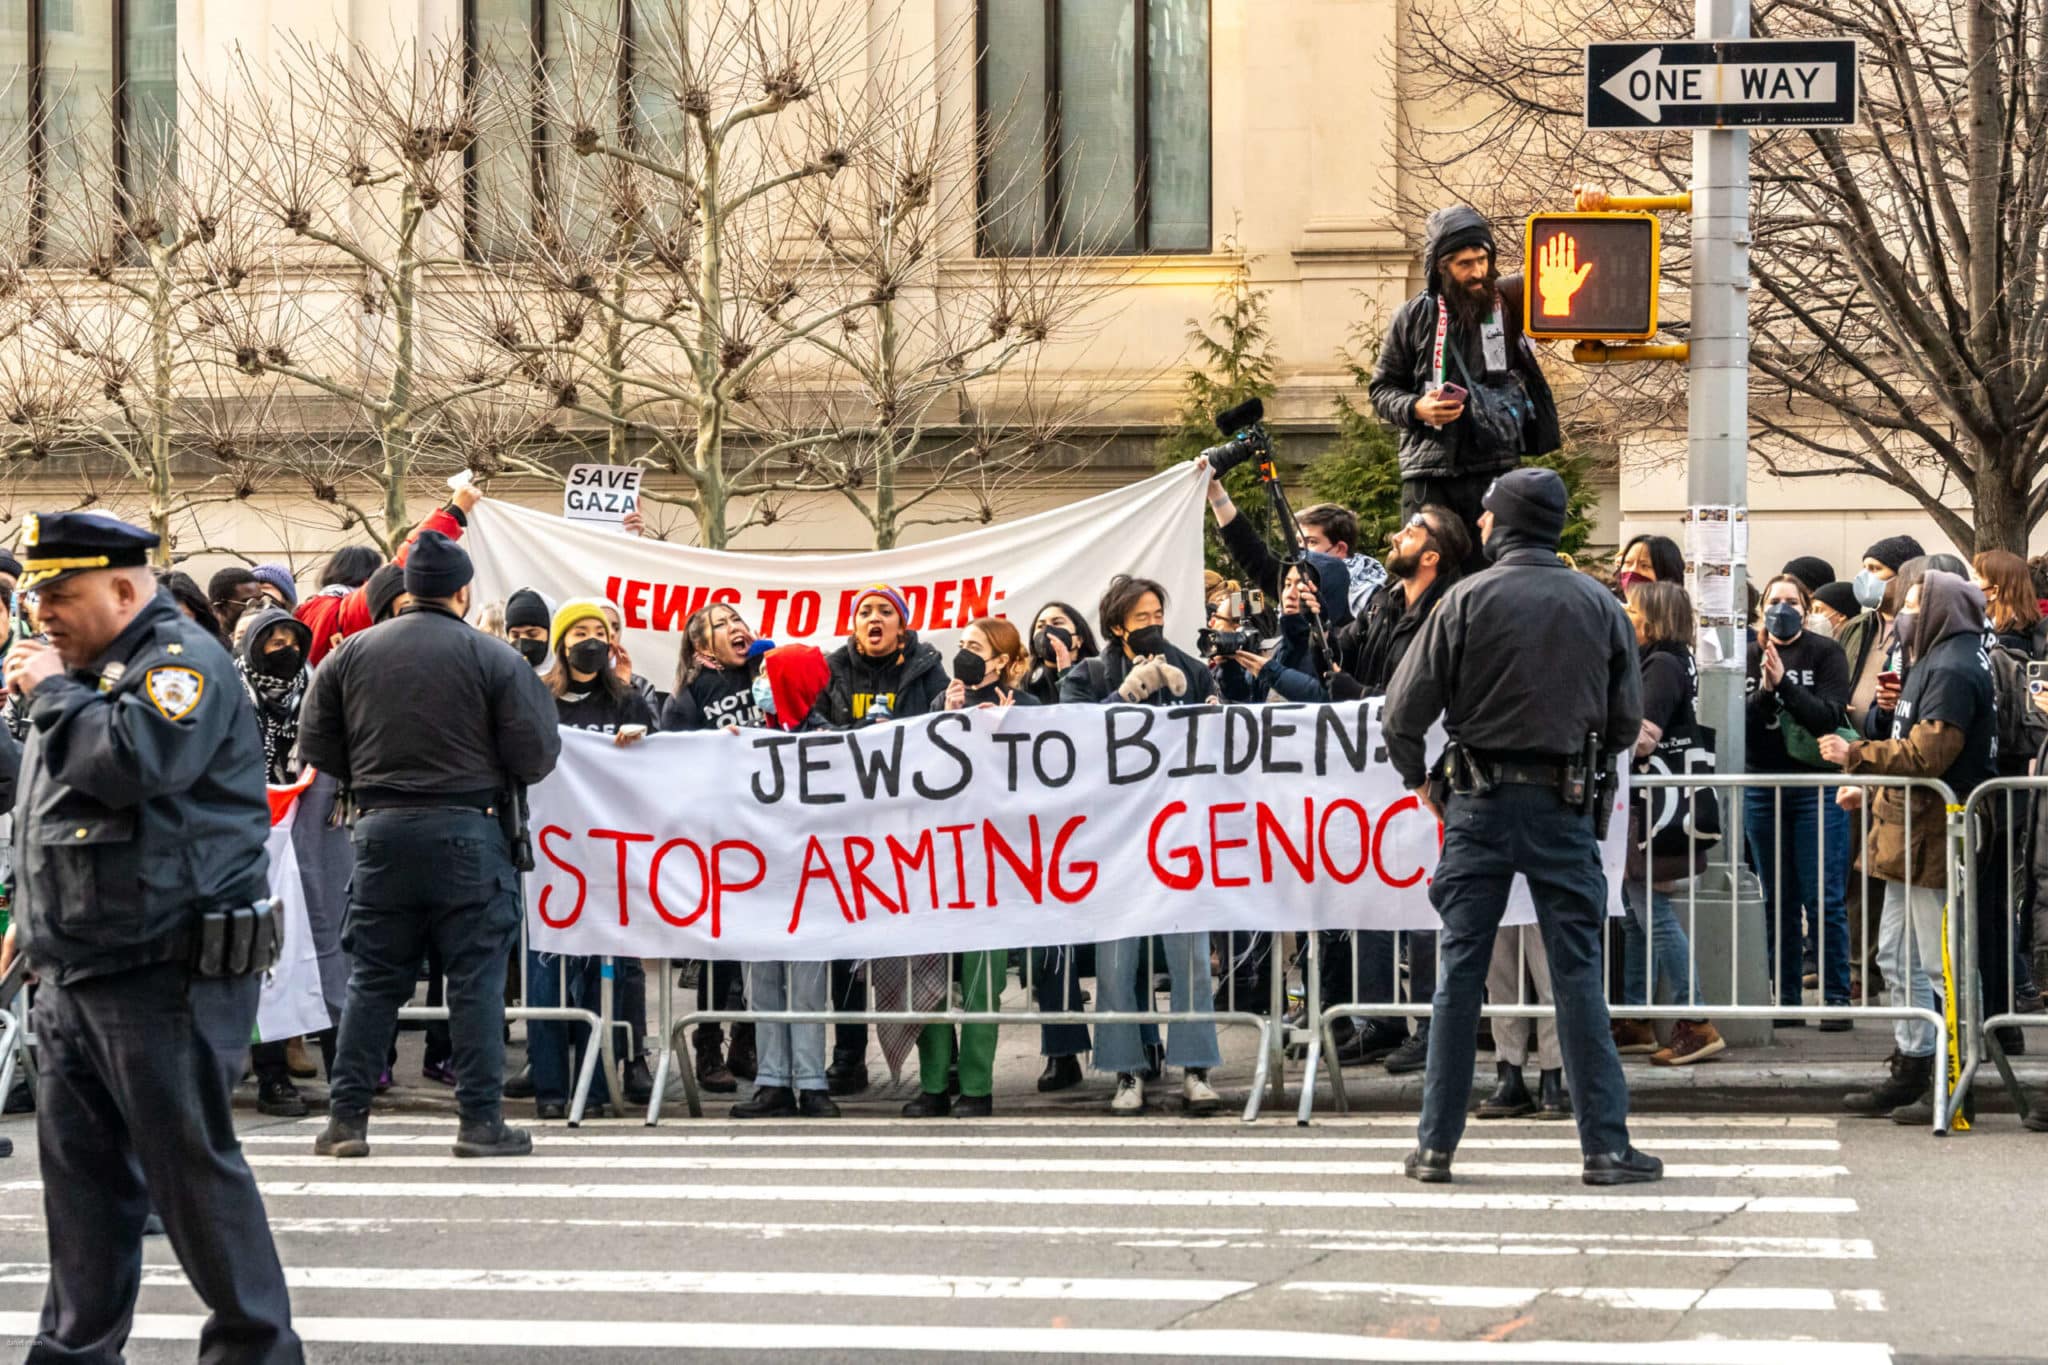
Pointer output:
601, 494
1716, 546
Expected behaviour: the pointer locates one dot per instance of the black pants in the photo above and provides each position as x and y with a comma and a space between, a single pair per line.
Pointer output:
133, 1112
849, 994
439, 875
1056, 986
1461, 494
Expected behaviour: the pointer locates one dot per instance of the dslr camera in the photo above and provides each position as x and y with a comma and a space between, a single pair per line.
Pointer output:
1223, 644
1245, 425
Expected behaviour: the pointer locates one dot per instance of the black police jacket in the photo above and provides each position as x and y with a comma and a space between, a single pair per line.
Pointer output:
1524, 660
140, 803
426, 705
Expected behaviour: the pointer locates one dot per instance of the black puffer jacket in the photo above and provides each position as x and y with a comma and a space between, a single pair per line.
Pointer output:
1097, 679
1407, 368
914, 681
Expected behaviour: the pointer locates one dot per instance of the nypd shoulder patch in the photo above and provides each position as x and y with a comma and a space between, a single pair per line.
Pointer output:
174, 691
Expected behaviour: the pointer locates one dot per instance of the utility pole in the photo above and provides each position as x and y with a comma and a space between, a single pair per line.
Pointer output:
1717, 364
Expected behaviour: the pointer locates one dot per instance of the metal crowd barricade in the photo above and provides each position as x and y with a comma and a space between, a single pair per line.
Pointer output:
1735, 793
1226, 1012
1995, 868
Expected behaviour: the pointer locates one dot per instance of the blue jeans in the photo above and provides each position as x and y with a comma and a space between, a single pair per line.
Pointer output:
1487, 840
1667, 947
438, 875
790, 1055
1804, 867
1118, 1047
548, 1041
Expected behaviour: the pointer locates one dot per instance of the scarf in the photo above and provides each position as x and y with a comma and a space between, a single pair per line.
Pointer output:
277, 717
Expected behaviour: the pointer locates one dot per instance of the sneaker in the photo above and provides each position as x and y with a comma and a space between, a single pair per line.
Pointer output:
1201, 1097
1622, 1168
344, 1138
1130, 1095
551, 1111
1691, 1041
1634, 1037
280, 1099
441, 1073
1375, 1041
493, 1138
1412, 1055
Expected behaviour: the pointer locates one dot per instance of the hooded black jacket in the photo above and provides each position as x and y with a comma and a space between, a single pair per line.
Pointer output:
914, 682
715, 697
1405, 370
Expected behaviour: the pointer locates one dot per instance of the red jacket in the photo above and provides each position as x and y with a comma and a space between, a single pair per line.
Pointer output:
333, 616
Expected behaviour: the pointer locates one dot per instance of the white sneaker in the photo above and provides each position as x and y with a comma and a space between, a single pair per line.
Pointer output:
1130, 1095
1201, 1096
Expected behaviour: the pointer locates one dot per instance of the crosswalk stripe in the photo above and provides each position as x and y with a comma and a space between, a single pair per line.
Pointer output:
1434, 1241
830, 1284
1655, 1300
548, 1140
1637, 1122
1021, 1166
853, 1338
824, 1196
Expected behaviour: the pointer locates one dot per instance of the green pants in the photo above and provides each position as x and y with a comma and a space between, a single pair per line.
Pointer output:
981, 983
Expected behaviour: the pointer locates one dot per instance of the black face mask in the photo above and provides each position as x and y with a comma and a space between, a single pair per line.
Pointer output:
589, 656
1041, 643
1150, 640
535, 652
970, 668
282, 663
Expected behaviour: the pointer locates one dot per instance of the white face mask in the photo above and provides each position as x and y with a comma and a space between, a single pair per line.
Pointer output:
1818, 624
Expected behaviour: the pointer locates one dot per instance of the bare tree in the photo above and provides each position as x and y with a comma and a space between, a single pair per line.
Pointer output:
1899, 321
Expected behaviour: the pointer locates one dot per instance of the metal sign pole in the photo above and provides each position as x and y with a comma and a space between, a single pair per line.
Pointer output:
1717, 420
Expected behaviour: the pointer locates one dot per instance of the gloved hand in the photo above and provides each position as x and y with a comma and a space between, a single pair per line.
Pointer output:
1150, 676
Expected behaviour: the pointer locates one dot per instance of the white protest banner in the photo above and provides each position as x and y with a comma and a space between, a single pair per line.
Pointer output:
981, 829
601, 494
1069, 554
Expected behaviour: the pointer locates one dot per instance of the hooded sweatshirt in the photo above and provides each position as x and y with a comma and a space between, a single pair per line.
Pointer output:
1948, 679
277, 699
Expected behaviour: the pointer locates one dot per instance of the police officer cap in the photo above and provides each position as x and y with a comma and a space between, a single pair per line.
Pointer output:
56, 546
1529, 500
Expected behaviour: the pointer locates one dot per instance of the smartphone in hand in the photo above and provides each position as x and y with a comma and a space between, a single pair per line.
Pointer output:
1451, 393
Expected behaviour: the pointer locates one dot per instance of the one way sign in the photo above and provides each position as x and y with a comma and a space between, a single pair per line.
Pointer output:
1746, 83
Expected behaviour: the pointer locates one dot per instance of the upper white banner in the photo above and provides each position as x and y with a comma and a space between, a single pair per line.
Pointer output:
1068, 554
993, 828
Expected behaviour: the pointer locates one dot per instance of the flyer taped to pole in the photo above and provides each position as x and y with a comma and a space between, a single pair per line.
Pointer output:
983, 829
1068, 554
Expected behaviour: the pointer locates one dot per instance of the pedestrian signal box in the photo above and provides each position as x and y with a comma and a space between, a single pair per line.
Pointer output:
1590, 276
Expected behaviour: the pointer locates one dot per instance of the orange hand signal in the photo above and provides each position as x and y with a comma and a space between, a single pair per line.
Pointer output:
1559, 275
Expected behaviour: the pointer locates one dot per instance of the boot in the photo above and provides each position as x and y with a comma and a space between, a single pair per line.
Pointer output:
929, 1106
739, 1058
491, 1137
816, 1104
520, 1086
638, 1082
1552, 1100
848, 1074
279, 1098
712, 1073
344, 1137
767, 1102
1373, 1041
1909, 1078
1061, 1073
297, 1061
1510, 1098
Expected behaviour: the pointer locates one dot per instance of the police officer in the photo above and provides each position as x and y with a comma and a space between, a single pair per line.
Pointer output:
1526, 663
140, 814
432, 725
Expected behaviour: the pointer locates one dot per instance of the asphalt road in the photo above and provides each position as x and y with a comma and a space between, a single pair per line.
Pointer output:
1774, 1238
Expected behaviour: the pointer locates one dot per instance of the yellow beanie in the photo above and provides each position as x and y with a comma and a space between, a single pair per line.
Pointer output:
569, 613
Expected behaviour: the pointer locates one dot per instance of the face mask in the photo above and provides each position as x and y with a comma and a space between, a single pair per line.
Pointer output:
535, 652
1821, 626
1869, 590
589, 656
1783, 620
1041, 643
1628, 578
970, 668
1150, 640
1903, 626
282, 663
764, 696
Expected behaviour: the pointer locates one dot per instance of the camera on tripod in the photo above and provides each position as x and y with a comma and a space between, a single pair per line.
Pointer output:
1245, 425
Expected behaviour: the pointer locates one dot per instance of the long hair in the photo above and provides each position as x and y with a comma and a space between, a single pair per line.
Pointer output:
697, 639
2013, 608
561, 684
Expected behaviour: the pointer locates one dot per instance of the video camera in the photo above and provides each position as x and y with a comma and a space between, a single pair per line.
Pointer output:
1245, 425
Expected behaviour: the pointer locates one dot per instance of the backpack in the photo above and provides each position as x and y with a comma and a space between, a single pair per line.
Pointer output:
2021, 726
